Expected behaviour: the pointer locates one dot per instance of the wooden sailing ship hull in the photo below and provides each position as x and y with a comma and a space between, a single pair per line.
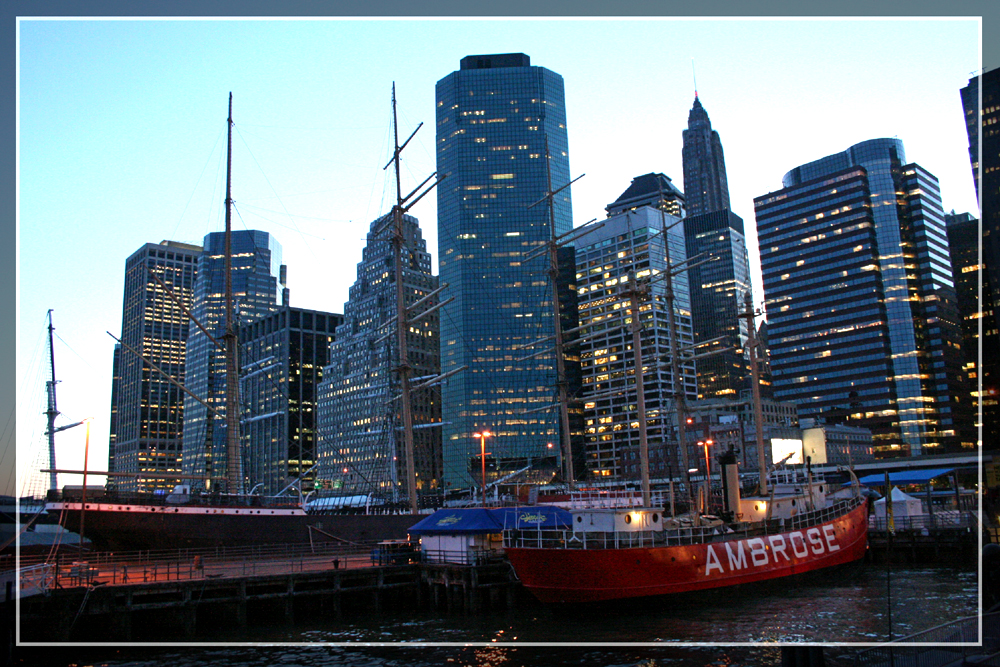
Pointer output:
135, 527
580, 575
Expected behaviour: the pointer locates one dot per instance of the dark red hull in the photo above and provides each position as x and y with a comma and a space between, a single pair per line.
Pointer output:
567, 576
114, 527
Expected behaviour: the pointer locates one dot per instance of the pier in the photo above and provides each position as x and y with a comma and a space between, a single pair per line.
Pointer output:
131, 598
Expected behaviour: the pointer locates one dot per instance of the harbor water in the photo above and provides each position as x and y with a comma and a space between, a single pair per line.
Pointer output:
849, 608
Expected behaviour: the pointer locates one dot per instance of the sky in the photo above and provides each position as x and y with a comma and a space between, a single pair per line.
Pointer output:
121, 142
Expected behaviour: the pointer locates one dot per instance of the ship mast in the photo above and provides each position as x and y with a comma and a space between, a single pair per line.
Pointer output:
51, 412
402, 326
758, 414
403, 320
234, 472
559, 336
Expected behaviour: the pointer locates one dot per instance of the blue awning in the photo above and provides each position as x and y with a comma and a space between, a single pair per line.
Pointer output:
905, 477
476, 520
533, 517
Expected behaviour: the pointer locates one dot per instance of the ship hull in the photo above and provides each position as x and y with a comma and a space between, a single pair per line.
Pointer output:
572, 576
113, 527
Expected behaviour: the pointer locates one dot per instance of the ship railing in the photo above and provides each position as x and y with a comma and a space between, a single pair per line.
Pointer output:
819, 516
617, 498
571, 539
172, 500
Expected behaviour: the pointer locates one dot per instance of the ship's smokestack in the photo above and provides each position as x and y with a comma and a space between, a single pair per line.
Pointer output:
730, 482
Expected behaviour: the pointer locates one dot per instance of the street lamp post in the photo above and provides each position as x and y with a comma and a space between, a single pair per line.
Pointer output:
482, 457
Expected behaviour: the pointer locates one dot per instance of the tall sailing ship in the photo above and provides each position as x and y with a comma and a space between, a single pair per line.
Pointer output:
186, 519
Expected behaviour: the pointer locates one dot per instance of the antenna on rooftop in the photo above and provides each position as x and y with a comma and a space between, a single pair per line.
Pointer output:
695, 77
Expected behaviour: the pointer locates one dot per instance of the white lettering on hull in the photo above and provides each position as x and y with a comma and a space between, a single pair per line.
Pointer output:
815, 540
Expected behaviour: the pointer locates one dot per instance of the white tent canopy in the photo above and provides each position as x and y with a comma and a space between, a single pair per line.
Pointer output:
902, 505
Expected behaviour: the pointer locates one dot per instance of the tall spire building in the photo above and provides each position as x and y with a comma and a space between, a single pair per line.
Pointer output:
497, 119
705, 186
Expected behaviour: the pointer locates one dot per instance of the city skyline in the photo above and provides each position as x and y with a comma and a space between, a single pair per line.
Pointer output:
65, 148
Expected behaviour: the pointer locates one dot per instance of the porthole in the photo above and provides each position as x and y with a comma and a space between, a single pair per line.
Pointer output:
628, 518
656, 517
579, 519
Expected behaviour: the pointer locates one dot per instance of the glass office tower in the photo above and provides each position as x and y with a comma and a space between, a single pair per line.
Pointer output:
497, 116
718, 298
148, 410
282, 356
862, 315
256, 268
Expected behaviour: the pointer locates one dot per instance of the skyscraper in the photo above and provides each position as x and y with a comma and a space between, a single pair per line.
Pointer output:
718, 297
656, 190
705, 186
257, 277
861, 308
148, 409
982, 349
983, 126
497, 118
282, 356
631, 244
361, 445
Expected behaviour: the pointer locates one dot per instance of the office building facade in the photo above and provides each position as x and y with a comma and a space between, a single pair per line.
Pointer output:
147, 409
720, 282
981, 348
257, 280
653, 189
282, 356
706, 188
981, 103
497, 119
630, 253
862, 319
361, 430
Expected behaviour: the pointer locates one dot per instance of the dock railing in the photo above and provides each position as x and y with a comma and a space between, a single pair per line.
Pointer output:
955, 643
138, 567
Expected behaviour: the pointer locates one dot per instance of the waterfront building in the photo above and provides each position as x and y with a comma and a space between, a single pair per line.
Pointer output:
730, 424
860, 300
632, 244
282, 356
982, 349
116, 377
836, 444
706, 188
257, 281
147, 409
653, 189
361, 439
983, 127
497, 119
718, 298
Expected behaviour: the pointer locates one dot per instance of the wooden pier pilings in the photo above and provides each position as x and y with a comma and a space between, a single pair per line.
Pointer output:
187, 609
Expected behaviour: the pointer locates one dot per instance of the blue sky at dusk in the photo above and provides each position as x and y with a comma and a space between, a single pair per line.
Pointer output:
122, 142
